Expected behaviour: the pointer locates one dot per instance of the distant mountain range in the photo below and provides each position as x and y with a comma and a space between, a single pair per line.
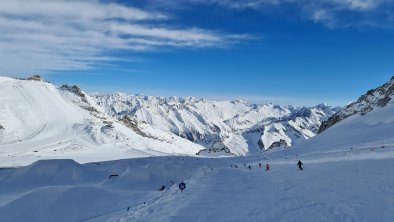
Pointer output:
40, 121
229, 127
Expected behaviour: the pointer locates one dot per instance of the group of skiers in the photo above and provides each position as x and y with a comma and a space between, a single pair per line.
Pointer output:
182, 185
268, 167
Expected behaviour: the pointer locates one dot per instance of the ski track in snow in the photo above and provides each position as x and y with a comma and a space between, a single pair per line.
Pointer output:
331, 188
282, 194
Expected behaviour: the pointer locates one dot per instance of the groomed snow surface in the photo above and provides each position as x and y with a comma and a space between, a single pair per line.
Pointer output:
353, 185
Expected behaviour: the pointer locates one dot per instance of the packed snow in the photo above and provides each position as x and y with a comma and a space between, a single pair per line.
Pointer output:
352, 185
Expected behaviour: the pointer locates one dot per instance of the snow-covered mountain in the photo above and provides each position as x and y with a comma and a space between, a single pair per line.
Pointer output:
373, 99
234, 127
368, 123
39, 120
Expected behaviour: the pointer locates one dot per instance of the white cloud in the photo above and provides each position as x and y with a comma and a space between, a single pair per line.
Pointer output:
360, 5
331, 13
42, 35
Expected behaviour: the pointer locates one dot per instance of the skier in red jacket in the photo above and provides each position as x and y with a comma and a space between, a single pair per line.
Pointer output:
267, 167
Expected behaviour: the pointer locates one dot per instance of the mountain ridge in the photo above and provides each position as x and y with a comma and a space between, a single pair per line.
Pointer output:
372, 99
219, 126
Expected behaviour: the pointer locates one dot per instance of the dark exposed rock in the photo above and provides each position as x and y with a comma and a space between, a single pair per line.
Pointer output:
215, 150
372, 99
84, 102
261, 145
34, 78
280, 143
132, 123
74, 89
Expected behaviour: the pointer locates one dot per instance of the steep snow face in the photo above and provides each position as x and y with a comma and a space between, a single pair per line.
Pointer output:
40, 121
233, 127
373, 130
374, 98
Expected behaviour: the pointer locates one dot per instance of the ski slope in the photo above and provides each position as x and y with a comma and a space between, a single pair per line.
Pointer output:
355, 186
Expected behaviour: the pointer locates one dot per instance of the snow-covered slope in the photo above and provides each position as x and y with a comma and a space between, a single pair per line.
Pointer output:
39, 120
355, 186
371, 130
373, 99
220, 126
368, 123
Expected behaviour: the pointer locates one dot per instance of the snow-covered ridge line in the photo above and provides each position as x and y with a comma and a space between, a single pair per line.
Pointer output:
374, 98
42, 121
232, 127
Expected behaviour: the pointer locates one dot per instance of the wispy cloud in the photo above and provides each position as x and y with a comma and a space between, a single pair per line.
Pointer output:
331, 13
42, 35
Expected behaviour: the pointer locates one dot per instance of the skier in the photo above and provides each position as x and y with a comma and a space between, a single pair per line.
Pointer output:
182, 186
300, 164
162, 188
267, 167
249, 167
260, 165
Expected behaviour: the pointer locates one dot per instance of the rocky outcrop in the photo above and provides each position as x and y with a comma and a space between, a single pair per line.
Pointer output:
74, 89
132, 123
82, 100
35, 78
280, 143
371, 100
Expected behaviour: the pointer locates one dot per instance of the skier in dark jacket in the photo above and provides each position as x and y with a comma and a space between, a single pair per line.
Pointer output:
300, 164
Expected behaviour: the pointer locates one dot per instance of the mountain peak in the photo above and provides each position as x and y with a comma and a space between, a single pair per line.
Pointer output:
234, 126
372, 99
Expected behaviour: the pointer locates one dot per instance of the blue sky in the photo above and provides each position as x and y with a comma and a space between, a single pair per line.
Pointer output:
281, 51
